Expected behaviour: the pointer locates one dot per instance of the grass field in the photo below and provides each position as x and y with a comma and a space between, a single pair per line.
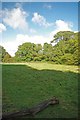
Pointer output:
25, 85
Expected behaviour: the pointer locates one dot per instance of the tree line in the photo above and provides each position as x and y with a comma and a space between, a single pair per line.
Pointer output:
65, 50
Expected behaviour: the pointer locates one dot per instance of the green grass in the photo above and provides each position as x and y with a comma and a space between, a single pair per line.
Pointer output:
25, 85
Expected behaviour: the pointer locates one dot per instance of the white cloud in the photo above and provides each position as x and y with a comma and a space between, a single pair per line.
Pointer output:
76, 31
33, 39
32, 31
47, 6
61, 25
2, 27
15, 18
37, 18
12, 46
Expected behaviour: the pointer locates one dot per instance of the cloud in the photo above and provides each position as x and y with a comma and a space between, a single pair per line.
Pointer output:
37, 18
32, 31
1, 14
76, 31
20, 38
16, 18
19, 4
12, 46
61, 25
47, 6
2, 27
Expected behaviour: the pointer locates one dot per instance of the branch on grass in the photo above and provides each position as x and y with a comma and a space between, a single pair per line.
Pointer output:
32, 111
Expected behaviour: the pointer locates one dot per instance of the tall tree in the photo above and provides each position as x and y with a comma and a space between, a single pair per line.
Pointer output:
66, 49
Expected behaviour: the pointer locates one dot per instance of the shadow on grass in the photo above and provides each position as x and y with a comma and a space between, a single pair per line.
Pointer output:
24, 87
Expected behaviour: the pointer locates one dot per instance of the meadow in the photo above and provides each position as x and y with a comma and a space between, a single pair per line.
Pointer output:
27, 84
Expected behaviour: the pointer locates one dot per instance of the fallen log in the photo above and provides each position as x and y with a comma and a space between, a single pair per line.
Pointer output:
31, 111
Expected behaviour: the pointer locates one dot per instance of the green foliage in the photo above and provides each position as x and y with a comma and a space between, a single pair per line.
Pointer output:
4, 56
65, 50
47, 51
66, 35
28, 52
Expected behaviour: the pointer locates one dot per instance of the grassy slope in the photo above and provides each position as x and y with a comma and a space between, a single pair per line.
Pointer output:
25, 85
0, 90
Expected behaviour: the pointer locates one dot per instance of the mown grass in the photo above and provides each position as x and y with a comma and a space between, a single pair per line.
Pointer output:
0, 90
25, 85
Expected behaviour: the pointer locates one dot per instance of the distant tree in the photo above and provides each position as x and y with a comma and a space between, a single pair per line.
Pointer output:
65, 50
4, 56
48, 51
7, 58
28, 52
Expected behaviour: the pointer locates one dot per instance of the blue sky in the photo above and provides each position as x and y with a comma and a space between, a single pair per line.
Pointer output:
40, 0
35, 22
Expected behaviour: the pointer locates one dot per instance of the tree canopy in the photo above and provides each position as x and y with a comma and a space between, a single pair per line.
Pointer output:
65, 51
4, 56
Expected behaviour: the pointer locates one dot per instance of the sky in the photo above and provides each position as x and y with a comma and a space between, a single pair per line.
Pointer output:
41, 0
35, 22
